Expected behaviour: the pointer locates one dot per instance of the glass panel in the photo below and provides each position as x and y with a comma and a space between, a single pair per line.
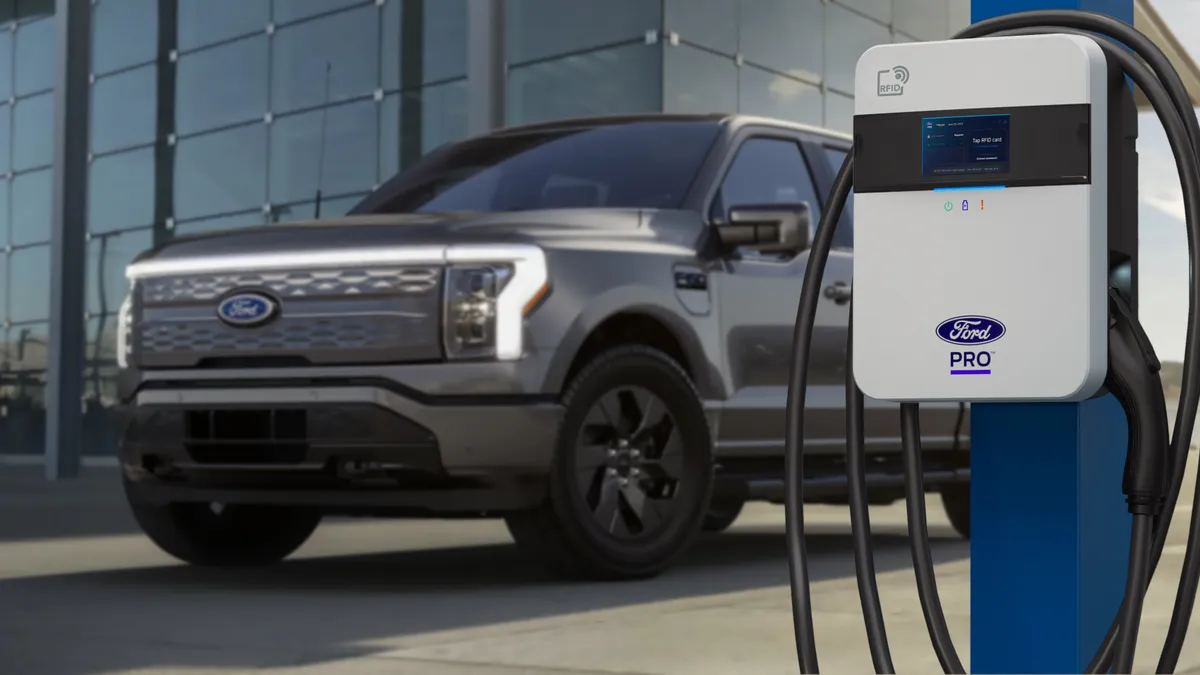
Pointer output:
3, 294
121, 191
33, 132
924, 19
35, 56
784, 35
290, 10
848, 35
621, 80
123, 109
538, 29
880, 10
101, 428
839, 112
348, 162
696, 81
443, 40
5, 138
6, 54
5, 187
766, 171
330, 208
124, 33
346, 43
431, 117
22, 411
222, 85
28, 345
438, 51
31, 207
203, 22
30, 269
843, 236
232, 222
772, 95
708, 23
222, 172
107, 256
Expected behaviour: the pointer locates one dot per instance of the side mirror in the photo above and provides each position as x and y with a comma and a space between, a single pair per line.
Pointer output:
770, 228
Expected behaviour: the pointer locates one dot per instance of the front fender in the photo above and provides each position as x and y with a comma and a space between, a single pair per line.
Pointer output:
661, 306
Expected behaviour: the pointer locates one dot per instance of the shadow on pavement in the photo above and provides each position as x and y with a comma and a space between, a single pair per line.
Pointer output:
318, 610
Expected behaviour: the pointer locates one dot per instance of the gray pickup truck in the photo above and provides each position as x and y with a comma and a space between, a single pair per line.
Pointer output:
582, 326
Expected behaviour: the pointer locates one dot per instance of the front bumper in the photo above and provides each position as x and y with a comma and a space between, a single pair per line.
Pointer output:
361, 444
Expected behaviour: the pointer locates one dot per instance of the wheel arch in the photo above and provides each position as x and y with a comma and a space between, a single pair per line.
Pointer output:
606, 325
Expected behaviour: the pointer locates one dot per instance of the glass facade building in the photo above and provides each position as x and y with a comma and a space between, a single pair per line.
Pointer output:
213, 114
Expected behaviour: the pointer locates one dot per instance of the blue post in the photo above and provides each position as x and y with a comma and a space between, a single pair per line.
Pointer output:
1049, 530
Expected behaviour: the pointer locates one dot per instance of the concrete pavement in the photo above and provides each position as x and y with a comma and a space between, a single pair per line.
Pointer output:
82, 593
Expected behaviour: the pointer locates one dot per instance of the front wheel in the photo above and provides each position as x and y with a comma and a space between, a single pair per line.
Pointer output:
231, 535
632, 475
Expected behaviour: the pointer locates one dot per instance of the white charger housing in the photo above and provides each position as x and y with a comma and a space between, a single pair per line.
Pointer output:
980, 220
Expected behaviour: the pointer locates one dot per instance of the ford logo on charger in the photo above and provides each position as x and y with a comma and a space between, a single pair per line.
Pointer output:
970, 330
246, 310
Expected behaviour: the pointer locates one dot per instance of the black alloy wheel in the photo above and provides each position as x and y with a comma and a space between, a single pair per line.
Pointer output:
629, 461
632, 475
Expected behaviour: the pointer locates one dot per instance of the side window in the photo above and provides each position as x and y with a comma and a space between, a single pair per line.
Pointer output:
766, 171
843, 237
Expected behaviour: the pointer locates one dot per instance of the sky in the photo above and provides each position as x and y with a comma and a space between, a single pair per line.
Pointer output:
1162, 255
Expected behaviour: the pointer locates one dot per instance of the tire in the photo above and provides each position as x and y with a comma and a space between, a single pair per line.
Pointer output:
722, 513
956, 498
588, 528
237, 535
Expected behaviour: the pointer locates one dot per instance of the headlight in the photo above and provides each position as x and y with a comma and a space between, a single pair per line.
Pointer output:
124, 331
489, 292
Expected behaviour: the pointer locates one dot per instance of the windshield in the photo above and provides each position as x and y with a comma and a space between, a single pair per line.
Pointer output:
635, 165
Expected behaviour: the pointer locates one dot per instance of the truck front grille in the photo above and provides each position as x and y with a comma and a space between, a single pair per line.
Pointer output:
291, 284
326, 316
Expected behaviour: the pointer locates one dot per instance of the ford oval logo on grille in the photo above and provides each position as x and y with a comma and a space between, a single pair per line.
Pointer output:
970, 330
246, 310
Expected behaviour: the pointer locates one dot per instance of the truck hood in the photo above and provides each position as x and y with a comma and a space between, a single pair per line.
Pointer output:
585, 226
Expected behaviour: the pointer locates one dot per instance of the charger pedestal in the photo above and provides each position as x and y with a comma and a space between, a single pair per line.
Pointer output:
1049, 525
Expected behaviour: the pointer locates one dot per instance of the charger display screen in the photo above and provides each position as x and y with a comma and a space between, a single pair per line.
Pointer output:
965, 145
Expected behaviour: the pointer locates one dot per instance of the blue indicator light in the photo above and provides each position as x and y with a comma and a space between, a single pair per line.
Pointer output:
976, 371
975, 187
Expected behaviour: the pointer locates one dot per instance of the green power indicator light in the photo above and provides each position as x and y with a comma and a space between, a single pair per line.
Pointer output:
949, 206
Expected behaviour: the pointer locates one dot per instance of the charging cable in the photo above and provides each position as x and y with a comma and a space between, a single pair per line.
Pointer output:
1133, 376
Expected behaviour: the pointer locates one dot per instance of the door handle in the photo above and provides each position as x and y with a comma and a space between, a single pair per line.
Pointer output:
839, 292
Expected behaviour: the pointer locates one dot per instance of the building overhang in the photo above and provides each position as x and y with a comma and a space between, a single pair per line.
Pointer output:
1147, 20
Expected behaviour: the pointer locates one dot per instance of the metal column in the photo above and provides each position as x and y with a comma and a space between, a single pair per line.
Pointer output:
1050, 529
487, 70
68, 250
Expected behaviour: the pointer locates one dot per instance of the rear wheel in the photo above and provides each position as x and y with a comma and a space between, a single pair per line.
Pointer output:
632, 475
956, 498
722, 513
232, 535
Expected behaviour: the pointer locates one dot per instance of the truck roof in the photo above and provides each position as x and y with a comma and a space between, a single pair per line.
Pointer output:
733, 120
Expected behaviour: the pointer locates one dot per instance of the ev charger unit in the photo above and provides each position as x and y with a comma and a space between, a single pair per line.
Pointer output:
981, 221
994, 181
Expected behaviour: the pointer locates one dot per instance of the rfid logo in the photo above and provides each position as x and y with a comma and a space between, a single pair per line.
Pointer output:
891, 82
970, 331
